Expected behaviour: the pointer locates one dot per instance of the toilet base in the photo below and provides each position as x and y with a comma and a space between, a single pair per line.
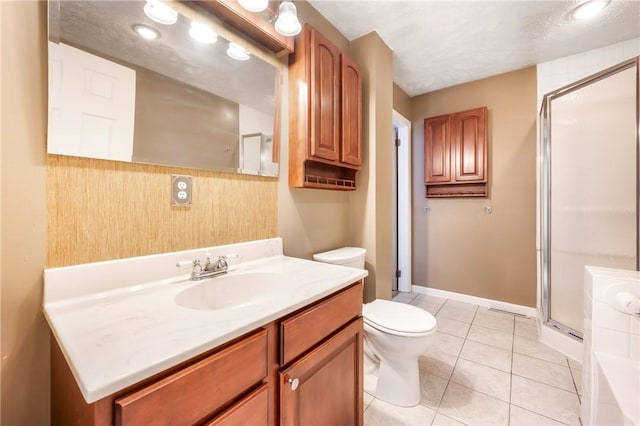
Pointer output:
395, 383
399, 383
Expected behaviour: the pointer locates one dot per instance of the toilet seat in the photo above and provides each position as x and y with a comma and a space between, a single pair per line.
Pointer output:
398, 319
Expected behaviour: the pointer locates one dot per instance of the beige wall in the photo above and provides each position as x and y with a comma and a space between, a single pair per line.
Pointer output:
370, 212
25, 335
401, 101
456, 246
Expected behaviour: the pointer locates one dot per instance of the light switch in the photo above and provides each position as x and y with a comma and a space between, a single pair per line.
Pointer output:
181, 190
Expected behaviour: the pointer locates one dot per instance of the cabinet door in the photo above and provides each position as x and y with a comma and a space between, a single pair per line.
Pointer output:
325, 98
437, 150
469, 130
351, 152
324, 387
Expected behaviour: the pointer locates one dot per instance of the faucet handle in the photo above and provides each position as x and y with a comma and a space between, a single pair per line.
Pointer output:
195, 264
185, 263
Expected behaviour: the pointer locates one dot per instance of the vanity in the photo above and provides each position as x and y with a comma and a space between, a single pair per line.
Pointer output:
275, 340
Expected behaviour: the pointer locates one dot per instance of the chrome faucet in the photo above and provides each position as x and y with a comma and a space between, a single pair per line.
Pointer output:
210, 269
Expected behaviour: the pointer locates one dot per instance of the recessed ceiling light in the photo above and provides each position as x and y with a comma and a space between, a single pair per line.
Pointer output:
238, 52
589, 9
160, 12
146, 32
202, 33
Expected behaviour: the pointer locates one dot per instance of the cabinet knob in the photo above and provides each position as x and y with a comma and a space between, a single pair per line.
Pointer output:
294, 383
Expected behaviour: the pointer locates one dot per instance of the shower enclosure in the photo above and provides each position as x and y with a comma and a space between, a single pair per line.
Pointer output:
589, 183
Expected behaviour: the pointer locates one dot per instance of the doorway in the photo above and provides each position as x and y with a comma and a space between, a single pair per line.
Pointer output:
401, 204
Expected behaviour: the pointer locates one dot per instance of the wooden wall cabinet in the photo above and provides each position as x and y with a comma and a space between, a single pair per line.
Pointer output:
325, 125
249, 381
455, 154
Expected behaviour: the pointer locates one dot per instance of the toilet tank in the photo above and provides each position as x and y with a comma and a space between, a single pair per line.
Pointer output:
346, 256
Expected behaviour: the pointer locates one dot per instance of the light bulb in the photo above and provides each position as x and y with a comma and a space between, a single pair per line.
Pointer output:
287, 23
254, 5
160, 12
202, 33
589, 9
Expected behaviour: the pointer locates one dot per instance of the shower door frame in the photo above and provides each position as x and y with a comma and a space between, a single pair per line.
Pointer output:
545, 182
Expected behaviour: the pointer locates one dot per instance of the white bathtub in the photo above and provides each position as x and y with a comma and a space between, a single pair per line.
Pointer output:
611, 369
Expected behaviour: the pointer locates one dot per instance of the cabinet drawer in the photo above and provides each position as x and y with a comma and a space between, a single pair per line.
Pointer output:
250, 410
196, 391
305, 329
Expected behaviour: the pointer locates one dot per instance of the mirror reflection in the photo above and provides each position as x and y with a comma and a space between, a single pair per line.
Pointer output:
128, 83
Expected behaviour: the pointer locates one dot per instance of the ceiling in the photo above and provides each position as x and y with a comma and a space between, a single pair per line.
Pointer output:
437, 44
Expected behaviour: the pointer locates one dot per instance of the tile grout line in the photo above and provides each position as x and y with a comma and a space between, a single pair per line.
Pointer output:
513, 343
575, 385
452, 371
543, 383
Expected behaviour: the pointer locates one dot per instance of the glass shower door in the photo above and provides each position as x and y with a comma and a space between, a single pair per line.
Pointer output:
590, 187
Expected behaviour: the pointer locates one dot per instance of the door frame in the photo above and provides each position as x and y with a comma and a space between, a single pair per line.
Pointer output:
404, 200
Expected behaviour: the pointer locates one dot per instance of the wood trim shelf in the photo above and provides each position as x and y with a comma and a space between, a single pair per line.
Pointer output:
312, 181
255, 25
457, 191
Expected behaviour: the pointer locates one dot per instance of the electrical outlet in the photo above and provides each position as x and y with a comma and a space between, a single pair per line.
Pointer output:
181, 190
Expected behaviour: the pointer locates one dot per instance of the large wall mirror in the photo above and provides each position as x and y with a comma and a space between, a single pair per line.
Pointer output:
126, 87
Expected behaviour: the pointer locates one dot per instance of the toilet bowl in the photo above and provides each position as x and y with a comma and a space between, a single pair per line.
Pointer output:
395, 334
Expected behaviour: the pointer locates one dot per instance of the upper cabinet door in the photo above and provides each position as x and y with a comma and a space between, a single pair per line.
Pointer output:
325, 98
469, 132
351, 113
437, 150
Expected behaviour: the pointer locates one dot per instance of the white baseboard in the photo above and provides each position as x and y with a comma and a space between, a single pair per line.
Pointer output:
480, 301
547, 335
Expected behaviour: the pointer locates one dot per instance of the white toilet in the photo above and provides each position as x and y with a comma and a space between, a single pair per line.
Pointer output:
395, 334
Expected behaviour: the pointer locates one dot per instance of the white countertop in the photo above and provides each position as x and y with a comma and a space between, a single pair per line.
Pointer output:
115, 337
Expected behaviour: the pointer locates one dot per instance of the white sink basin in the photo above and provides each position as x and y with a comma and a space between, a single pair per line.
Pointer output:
233, 290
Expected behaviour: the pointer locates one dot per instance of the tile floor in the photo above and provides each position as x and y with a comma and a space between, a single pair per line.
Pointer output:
485, 367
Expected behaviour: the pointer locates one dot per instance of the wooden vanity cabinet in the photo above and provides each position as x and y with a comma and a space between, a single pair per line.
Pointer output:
325, 126
455, 148
321, 355
324, 386
226, 383
246, 381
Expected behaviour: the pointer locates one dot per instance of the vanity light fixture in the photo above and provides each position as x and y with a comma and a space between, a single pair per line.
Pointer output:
238, 52
254, 5
287, 23
146, 32
589, 9
160, 12
202, 33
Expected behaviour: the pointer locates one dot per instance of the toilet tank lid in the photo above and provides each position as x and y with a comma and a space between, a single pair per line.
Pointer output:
341, 255
398, 316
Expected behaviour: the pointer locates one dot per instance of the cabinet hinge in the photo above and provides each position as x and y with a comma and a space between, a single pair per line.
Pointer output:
398, 273
397, 142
